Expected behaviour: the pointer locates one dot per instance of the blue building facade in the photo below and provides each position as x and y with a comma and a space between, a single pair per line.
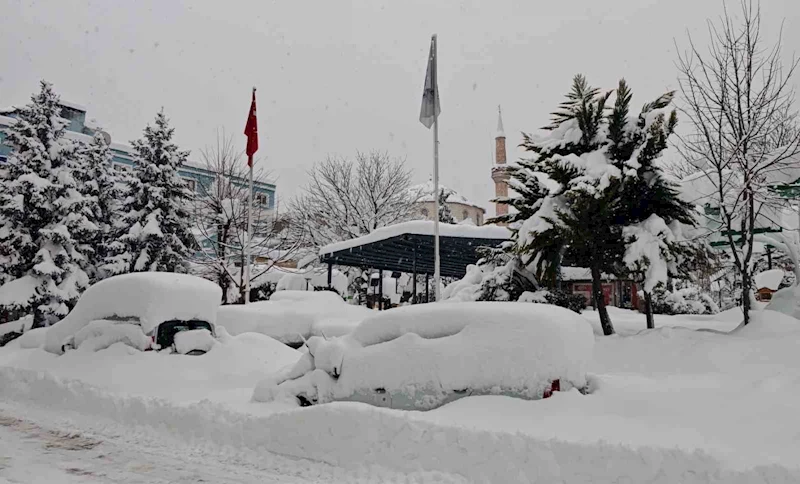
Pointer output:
197, 177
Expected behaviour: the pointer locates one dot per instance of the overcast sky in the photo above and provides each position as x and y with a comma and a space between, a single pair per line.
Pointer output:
336, 77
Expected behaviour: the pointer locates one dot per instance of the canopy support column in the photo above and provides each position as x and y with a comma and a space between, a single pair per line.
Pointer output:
380, 289
414, 284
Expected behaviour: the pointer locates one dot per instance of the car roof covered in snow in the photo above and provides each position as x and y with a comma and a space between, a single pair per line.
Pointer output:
149, 297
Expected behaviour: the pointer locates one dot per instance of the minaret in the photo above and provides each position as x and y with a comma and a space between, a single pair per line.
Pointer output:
500, 169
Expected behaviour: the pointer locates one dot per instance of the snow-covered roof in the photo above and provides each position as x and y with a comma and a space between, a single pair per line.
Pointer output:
770, 279
569, 274
75, 106
424, 193
421, 227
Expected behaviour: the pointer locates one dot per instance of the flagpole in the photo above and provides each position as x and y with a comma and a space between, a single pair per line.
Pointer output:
436, 271
249, 229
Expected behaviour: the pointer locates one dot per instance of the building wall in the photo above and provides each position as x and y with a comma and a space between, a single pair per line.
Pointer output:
460, 211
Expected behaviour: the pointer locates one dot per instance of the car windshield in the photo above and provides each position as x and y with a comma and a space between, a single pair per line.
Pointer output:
165, 334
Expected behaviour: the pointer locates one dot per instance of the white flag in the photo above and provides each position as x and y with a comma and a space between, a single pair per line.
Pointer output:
430, 93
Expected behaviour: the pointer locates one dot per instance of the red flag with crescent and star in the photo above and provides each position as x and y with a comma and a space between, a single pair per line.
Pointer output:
251, 131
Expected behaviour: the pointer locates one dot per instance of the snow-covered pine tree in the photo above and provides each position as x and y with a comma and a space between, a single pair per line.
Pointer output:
649, 206
41, 210
100, 185
445, 214
158, 237
571, 197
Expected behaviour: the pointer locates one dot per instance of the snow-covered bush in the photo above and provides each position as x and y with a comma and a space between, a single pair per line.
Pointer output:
573, 302
683, 301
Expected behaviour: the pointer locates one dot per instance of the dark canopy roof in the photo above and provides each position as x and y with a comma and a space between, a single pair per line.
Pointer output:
408, 247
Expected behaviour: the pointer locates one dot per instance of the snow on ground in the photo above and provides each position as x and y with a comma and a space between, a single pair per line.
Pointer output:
227, 373
673, 404
291, 316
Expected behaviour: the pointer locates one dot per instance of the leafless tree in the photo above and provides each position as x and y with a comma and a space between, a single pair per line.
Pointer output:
738, 98
221, 223
345, 198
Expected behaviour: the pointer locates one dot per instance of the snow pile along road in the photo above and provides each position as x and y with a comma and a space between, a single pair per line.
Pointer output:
353, 435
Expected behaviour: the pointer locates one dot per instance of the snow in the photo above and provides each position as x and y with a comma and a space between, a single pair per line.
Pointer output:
647, 250
786, 301
293, 282
151, 297
19, 291
424, 355
99, 335
194, 339
293, 315
226, 374
311, 297
770, 279
424, 193
668, 405
421, 227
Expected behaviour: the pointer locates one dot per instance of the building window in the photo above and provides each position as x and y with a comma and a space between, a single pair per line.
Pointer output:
191, 184
262, 199
70, 113
465, 215
424, 212
122, 167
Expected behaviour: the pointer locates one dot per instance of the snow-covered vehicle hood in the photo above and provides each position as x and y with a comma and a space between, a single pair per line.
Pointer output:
420, 357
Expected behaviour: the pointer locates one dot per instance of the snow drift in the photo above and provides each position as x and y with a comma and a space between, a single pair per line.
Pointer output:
291, 316
423, 356
149, 297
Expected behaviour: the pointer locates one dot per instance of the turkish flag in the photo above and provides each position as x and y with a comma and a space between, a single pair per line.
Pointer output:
251, 131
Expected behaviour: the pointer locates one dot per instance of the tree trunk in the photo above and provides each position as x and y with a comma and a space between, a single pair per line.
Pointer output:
746, 296
600, 302
648, 310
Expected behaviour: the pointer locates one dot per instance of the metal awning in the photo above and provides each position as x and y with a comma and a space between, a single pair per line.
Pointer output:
408, 248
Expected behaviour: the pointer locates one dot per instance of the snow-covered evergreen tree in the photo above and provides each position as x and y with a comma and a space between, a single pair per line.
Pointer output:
571, 203
41, 215
445, 214
158, 236
100, 185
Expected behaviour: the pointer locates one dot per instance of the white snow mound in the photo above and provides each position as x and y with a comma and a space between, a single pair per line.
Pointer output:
149, 297
424, 355
194, 339
291, 316
99, 335
770, 279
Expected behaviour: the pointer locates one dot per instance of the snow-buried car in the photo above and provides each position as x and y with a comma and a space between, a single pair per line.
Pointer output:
147, 310
421, 357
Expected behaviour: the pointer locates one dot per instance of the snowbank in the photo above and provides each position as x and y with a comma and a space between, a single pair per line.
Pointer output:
291, 316
310, 297
422, 356
99, 335
195, 339
150, 297
357, 436
770, 279
786, 301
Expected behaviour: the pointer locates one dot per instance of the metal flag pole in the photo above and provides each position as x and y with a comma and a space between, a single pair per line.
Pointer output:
249, 228
436, 272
